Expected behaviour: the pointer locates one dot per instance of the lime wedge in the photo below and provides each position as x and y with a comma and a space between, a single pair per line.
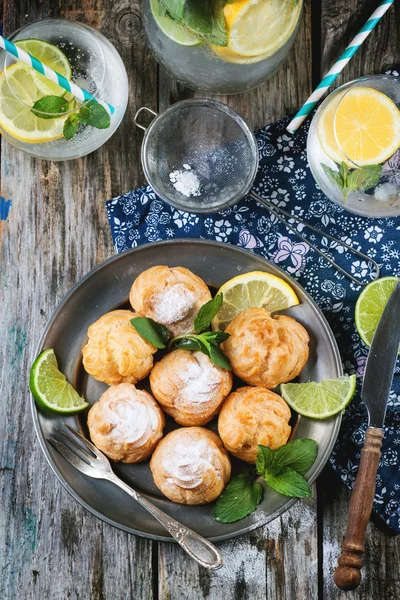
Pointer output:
370, 306
50, 388
52, 57
176, 32
320, 400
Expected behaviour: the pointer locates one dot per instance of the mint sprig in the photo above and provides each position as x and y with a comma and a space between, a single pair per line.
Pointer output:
92, 113
356, 180
205, 19
197, 340
282, 469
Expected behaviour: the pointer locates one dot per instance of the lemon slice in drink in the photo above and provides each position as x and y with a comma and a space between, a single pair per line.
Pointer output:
260, 27
21, 86
367, 127
371, 304
50, 388
319, 400
256, 289
176, 32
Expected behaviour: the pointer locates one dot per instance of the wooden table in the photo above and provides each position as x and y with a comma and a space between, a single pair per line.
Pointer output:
50, 547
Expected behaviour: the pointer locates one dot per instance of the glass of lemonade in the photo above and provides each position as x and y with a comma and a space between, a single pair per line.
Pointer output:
83, 56
221, 46
353, 146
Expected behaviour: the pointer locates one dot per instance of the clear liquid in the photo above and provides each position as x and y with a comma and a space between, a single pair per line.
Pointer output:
96, 66
200, 68
382, 200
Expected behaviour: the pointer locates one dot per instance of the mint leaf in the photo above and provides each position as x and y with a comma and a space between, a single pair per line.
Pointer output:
299, 455
153, 332
343, 172
266, 461
98, 117
207, 312
84, 115
363, 179
173, 7
54, 105
240, 498
189, 344
218, 31
197, 16
218, 358
333, 176
215, 337
288, 483
70, 127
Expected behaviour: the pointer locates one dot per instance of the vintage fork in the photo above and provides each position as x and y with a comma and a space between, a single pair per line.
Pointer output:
94, 463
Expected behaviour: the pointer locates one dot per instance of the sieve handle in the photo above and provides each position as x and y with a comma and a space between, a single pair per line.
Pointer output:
135, 118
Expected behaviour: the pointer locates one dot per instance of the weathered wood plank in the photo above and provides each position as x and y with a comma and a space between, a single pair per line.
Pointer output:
278, 561
50, 547
341, 20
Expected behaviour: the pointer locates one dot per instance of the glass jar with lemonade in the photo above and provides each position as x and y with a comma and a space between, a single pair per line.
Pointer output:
353, 146
29, 117
221, 46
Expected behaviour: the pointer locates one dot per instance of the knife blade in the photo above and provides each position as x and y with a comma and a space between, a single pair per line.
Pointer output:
381, 361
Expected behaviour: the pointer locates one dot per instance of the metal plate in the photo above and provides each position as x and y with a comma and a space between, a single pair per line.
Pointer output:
107, 288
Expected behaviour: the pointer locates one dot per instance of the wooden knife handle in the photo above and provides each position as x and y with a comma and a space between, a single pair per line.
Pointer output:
348, 573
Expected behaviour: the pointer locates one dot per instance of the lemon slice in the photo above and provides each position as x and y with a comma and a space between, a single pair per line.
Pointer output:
256, 289
52, 57
21, 86
367, 127
260, 27
230, 56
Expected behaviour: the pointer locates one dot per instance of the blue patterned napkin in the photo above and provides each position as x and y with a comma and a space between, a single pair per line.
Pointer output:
284, 178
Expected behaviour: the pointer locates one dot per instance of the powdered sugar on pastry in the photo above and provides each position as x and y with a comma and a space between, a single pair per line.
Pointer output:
173, 304
188, 462
200, 379
133, 421
126, 423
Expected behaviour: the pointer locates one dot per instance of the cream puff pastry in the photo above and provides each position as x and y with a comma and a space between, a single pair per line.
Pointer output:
264, 350
191, 466
171, 297
115, 352
189, 387
126, 424
252, 416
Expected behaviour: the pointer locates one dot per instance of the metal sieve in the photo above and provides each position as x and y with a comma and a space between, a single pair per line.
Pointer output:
207, 139
211, 141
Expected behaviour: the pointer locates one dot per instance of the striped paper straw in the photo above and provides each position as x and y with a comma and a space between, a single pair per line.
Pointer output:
338, 67
80, 94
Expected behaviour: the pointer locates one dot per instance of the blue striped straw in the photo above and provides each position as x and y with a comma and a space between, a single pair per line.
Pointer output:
338, 67
80, 94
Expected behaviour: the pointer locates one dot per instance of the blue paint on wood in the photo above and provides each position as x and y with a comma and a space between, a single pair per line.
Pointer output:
5, 206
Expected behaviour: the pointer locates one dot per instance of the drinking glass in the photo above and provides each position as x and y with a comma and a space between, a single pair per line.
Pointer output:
191, 59
96, 66
366, 188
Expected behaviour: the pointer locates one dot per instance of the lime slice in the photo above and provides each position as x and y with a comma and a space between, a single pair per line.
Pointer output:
50, 388
52, 57
319, 400
256, 289
370, 306
176, 32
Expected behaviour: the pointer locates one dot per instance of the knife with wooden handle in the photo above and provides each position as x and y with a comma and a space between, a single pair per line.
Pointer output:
375, 392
